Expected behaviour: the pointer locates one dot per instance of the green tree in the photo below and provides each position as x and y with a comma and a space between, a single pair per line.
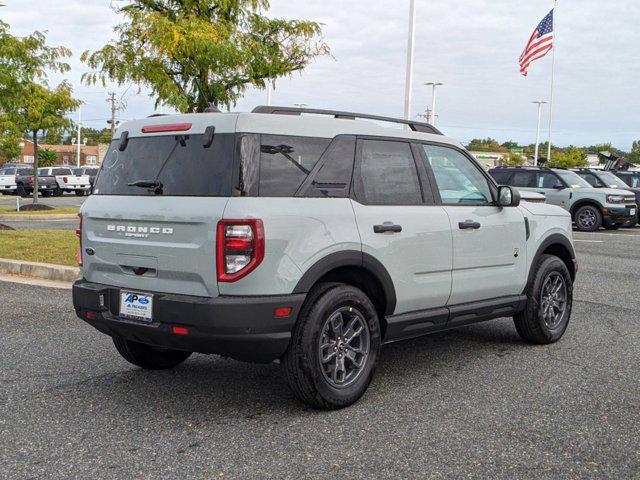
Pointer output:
513, 159
634, 155
47, 157
485, 145
28, 104
198, 53
570, 157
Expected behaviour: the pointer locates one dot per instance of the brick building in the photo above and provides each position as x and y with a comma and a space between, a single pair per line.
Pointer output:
89, 154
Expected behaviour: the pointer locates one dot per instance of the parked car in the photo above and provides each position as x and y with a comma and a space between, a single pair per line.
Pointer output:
67, 181
24, 183
590, 208
333, 235
605, 179
631, 178
8, 180
91, 172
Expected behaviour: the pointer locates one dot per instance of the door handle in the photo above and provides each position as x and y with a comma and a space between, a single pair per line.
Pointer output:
387, 227
469, 225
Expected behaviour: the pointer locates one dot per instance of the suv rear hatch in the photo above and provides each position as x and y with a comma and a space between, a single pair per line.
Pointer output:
151, 223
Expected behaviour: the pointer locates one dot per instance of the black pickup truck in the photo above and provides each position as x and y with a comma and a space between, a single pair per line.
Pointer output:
24, 181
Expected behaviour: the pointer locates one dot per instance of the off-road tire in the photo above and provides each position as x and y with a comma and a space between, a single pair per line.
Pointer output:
21, 191
148, 357
57, 192
301, 363
530, 323
588, 227
79, 193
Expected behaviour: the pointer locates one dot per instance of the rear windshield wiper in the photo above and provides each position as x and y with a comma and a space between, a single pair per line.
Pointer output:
154, 184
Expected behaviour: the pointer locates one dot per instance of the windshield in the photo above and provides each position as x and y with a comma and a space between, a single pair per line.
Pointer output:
179, 164
611, 180
572, 179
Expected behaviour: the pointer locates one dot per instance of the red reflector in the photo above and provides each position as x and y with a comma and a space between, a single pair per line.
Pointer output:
180, 331
170, 127
65, 179
238, 243
29, 180
282, 312
91, 315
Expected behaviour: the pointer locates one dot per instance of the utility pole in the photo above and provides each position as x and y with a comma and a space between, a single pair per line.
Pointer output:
112, 99
540, 103
408, 88
433, 99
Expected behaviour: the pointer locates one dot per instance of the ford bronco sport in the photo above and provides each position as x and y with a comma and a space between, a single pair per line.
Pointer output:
590, 208
310, 237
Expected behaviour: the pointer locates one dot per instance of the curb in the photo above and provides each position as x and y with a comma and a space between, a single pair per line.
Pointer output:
45, 271
38, 218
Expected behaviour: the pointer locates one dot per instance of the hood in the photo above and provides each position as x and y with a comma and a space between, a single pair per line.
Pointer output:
529, 196
604, 191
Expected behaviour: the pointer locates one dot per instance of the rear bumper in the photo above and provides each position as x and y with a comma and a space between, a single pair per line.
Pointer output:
73, 188
243, 328
619, 215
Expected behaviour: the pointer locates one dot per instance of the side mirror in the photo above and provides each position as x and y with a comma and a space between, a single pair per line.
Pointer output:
508, 197
558, 186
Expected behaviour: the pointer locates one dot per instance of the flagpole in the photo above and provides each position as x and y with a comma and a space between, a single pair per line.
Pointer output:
553, 70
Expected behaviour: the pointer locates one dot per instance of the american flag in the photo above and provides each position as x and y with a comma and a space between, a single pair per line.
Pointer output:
540, 43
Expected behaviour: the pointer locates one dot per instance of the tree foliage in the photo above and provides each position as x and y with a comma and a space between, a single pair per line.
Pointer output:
485, 145
197, 53
27, 104
513, 159
634, 155
47, 157
570, 157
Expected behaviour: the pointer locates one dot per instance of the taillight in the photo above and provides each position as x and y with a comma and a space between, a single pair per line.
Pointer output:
79, 235
65, 179
239, 248
30, 180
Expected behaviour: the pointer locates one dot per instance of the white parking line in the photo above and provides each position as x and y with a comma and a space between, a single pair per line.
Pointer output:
608, 234
589, 241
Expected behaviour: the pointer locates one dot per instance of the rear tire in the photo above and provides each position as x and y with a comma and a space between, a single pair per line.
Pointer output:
57, 192
148, 357
21, 191
588, 218
549, 302
79, 193
334, 347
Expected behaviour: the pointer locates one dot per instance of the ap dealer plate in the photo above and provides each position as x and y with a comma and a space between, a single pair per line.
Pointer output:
136, 306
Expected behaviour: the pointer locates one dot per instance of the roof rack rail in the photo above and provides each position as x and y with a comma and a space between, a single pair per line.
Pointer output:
415, 126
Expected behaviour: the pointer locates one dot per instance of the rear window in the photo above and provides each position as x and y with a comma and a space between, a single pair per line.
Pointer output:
25, 171
181, 164
61, 171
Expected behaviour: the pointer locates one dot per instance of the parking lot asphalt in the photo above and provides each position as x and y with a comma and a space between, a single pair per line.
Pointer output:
471, 403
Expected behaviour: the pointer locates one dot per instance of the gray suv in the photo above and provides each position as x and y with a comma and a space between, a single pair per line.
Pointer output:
310, 237
590, 207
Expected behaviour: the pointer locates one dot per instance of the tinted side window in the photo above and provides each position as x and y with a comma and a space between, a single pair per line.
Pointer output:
285, 162
333, 178
547, 180
387, 174
459, 179
501, 178
523, 179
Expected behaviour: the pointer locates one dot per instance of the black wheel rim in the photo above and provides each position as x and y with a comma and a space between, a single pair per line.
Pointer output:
587, 218
344, 346
553, 300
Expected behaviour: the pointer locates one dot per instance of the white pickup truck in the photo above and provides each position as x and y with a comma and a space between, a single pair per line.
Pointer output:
67, 180
8, 181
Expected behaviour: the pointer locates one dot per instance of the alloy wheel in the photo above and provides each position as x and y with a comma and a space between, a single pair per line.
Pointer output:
344, 346
553, 300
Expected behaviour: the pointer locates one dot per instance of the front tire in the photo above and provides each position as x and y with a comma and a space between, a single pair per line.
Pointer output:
588, 218
148, 357
549, 302
334, 347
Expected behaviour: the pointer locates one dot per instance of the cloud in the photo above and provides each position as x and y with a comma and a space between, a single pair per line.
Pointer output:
470, 45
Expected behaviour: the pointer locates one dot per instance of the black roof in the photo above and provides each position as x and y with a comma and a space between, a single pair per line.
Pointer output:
415, 126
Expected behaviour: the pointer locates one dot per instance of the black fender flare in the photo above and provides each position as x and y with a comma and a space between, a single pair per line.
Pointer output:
350, 258
553, 239
585, 201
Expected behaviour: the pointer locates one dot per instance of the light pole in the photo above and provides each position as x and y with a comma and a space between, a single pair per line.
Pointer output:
408, 88
540, 103
433, 99
269, 93
79, 131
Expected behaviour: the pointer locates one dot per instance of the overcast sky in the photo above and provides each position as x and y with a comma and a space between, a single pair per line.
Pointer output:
470, 45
